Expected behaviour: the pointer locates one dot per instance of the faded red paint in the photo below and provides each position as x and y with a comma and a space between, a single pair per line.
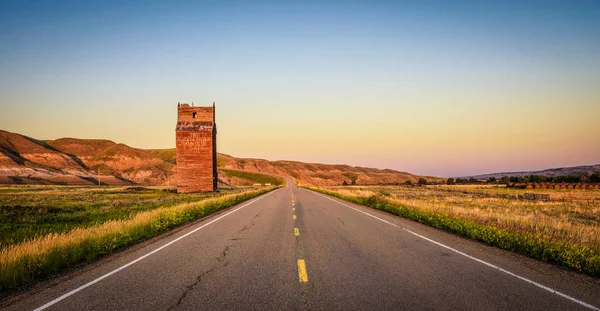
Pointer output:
196, 149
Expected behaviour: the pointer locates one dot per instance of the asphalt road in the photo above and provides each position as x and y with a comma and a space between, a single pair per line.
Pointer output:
293, 249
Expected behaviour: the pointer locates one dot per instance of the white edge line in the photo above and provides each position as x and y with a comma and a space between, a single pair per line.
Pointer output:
470, 257
147, 255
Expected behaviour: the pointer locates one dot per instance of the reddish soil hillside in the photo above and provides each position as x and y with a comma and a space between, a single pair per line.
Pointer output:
119, 160
24, 160
27, 160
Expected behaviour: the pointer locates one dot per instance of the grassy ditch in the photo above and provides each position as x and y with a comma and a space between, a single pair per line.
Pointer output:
46, 255
570, 253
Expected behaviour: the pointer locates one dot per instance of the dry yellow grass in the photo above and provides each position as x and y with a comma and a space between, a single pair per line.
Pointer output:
570, 215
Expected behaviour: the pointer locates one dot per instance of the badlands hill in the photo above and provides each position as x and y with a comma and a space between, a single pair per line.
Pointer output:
25, 160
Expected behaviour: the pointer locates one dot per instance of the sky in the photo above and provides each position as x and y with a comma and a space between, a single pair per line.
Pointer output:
444, 88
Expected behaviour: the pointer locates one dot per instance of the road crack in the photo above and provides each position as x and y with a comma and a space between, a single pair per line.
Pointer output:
221, 262
224, 254
189, 288
251, 222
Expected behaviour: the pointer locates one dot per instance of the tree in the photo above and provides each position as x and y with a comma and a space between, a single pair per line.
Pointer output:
352, 176
492, 180
450, 181
505, 179
422, 181
473, 180
344, 183
408, 182
537, 178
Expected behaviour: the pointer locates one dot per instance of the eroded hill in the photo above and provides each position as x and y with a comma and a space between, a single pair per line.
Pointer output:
25, 160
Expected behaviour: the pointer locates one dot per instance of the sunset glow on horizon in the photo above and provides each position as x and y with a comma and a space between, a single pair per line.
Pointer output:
448, 88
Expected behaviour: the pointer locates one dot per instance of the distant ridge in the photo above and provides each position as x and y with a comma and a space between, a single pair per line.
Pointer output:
561, 171
71, 161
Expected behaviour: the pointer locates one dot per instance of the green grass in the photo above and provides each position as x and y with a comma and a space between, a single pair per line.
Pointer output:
28, 212
255, 178
566, 253
46, 255
167, 155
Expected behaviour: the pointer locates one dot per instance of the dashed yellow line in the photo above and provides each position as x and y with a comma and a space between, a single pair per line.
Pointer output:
302, 273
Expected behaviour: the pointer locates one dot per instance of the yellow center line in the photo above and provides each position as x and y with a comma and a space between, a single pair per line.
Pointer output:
294, 216
302, 273
296, 232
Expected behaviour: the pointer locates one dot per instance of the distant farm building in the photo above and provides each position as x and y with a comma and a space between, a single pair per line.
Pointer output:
196, 148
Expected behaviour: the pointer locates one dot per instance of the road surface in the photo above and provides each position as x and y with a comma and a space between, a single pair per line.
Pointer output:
293, 249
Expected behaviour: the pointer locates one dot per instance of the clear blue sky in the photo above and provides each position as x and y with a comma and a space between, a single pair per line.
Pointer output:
445, 88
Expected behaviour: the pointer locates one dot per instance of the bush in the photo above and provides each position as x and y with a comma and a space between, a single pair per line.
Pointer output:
352, 176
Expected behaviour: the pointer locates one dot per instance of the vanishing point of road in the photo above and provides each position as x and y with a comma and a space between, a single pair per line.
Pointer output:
294, 249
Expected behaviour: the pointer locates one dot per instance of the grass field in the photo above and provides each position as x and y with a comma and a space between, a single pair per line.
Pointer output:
564, 230
30, 211
46, 229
